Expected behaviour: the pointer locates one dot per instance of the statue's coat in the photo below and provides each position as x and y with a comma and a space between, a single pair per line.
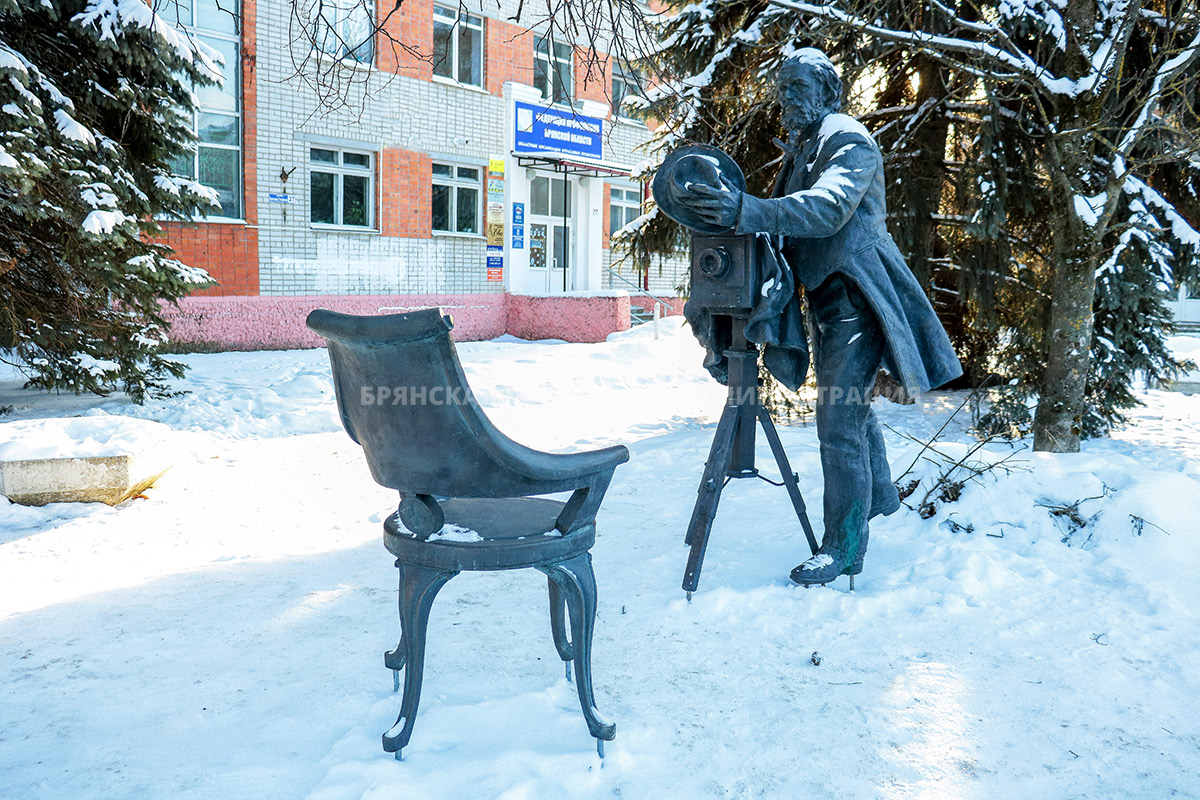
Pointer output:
829, 207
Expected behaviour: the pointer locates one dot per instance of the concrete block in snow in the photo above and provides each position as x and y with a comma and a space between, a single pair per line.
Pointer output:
90, 479
94, 459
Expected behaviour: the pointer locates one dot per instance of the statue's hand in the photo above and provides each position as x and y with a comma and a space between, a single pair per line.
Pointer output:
718, 207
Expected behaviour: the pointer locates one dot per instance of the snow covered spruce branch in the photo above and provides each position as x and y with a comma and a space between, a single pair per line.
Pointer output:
85, 172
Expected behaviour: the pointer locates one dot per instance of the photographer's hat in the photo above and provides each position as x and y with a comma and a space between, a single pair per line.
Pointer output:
698, 164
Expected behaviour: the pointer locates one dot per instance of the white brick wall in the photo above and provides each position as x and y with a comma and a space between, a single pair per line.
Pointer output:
384, 110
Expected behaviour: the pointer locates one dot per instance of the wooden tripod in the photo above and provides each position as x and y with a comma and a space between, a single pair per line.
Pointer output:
732, 453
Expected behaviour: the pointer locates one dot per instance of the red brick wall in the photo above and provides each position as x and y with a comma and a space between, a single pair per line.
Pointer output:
250, 114
507, 55
591, 76
411, 24
229, 251
406, 193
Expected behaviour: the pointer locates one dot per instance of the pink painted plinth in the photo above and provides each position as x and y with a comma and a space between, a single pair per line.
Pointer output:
277, 323
575, 319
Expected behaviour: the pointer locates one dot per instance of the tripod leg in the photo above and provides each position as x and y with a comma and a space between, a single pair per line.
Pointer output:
709, 494
789, 477
714, 470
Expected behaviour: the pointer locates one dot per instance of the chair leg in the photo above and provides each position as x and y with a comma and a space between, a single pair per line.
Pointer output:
577, 583
394, 660
418, 587
558, 625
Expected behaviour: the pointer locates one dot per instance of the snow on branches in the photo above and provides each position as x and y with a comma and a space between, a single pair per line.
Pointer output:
85, 173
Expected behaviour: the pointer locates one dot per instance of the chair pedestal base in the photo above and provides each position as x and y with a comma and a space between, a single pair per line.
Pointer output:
572, 590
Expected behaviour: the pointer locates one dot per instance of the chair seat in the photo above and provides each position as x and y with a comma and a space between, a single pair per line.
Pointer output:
490, 534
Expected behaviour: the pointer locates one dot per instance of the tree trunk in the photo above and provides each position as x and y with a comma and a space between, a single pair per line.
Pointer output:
928, 172
1057, 423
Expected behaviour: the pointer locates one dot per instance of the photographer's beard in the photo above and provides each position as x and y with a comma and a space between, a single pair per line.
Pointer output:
801, 120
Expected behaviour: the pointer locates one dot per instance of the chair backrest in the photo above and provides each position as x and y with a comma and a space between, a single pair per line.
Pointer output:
403, 396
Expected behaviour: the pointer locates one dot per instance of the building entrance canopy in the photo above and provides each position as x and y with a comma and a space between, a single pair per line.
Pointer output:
571, 164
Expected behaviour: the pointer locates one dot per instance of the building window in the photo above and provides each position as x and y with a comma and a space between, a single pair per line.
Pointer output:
341, 185
626, 82
345, 29
456, 193
458, 46
552, 70
549, 197
625, 205
216, 160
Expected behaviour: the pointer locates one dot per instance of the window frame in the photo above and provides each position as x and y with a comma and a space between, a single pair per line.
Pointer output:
340, 170
208, 35
343, 9
455, 182
456, 28
623, 203
544, 68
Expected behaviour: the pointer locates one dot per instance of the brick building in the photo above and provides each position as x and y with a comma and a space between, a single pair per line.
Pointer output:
486, 179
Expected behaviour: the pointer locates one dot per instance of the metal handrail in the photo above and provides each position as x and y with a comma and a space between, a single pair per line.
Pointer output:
639, 290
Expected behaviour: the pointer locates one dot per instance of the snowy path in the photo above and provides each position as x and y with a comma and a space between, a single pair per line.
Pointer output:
224, 637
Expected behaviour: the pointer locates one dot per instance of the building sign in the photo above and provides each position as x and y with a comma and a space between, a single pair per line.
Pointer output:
495, 224
518, 213
495, 205
518, 237
495, 263
281, 198
554, 130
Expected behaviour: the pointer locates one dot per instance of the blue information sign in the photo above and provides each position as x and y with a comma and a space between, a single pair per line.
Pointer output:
518, 213
518, 243
557, 131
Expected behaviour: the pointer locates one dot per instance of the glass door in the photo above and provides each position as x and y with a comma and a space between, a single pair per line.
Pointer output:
551, 241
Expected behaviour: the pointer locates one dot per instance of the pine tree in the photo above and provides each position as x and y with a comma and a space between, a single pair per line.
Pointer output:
95, 103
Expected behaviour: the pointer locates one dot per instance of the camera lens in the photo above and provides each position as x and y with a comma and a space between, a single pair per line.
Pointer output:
714, 262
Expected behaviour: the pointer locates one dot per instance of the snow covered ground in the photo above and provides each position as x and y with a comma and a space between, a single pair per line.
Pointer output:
223, 637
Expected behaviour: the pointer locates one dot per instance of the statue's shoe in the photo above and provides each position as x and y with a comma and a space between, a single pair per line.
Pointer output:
821, 569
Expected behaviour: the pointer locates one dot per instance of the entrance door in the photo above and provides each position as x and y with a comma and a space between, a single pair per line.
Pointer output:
551, 240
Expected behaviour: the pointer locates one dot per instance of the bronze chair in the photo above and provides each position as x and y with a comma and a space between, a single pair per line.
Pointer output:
465, 490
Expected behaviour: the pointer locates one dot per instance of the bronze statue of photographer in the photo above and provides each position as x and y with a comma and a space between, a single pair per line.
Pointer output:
826, 223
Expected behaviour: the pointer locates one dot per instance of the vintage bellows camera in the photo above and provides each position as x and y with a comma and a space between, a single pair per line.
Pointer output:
725, 274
